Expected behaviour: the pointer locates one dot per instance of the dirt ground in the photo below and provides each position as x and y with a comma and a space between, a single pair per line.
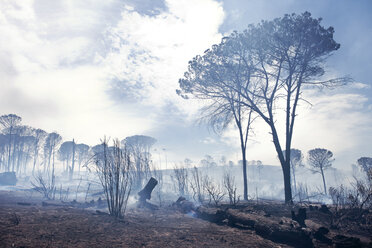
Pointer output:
35, 225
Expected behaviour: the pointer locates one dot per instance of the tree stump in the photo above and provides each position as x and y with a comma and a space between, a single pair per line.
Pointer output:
145, 194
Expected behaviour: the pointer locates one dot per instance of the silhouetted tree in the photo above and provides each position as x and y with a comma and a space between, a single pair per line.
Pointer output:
82, 151
188, 162
208, 161
223, 161
21, 141
40, 136
366, 164
266, 65
66, 154
50, 147
208, 75
140, 146
9, 122
3, 145
320, 160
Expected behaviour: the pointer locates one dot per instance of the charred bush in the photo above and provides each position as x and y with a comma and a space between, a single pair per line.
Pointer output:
45, 185
230, 186
113, 166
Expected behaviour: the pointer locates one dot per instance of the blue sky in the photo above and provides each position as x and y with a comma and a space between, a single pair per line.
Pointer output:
91, 68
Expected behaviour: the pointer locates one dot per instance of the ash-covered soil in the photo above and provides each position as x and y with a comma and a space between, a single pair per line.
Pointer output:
35, 225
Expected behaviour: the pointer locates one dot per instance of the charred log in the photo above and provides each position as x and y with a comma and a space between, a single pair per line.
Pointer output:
214, 215
341, 241
184, 205
283, 231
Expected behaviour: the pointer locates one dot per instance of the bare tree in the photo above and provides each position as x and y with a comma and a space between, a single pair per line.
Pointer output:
180, 178
320, 159
140, 147
114, 171
224, 106
197, 185
230, 186
45, 184
267, 65
213, 190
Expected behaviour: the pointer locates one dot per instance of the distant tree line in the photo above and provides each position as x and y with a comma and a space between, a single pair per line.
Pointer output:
24, 149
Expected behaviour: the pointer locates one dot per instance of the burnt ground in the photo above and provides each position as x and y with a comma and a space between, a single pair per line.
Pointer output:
25, 221
36, 225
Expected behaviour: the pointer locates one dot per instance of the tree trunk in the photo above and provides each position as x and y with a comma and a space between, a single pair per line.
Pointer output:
10, 147
287, 183
35, 159
324, 183
294, 179
245, 176
145, 193
73, 161
243, 147
285, 167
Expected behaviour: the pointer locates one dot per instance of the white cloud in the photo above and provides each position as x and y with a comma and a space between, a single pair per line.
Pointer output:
358, 85
56, 70
153, 51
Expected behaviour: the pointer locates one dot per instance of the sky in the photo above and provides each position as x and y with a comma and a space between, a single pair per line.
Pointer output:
92, 68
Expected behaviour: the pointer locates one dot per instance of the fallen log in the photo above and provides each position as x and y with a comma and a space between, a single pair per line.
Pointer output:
183, 205
214, 215
236, 217
341, 241
284, 230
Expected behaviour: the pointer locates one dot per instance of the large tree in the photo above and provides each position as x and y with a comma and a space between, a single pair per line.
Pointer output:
320, 159
268, 66
208, 78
